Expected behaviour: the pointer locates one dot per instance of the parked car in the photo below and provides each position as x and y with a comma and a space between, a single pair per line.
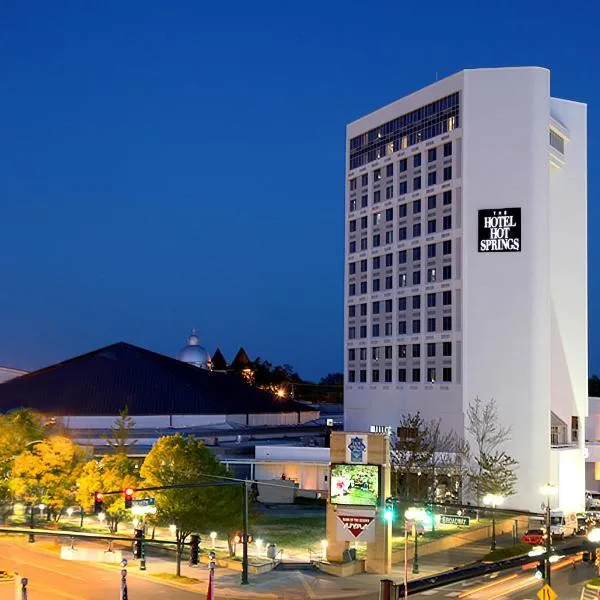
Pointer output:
535, 537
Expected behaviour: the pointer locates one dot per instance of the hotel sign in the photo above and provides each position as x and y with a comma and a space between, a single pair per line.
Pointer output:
500, 230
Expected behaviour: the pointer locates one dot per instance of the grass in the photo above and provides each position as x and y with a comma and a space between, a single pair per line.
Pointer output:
503, 553
290, 531
176, 578
595, 581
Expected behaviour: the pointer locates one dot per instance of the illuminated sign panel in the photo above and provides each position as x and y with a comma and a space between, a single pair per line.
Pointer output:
500, 230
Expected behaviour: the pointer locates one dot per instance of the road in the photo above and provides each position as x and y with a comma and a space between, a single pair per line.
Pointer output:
53, 579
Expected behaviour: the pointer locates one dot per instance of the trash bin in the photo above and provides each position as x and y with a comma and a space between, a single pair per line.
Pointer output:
346, 557
272, 551
586, 556
352, 553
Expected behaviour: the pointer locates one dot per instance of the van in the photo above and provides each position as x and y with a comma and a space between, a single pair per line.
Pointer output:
562, 523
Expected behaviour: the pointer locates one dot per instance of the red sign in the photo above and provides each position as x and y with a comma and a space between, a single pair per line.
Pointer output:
355, 525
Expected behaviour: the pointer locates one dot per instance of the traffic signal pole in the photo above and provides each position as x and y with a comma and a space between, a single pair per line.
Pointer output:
245, 541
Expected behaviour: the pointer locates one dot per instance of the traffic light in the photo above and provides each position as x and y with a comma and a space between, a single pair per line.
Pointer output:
540, 570
128, 497
389, 511
137, 543
98, 502
194, 549
254, 491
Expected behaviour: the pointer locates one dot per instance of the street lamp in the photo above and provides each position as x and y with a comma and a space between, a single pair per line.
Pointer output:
213, 537
548, 490
70, 512
173, 529
493, 500
415, 515
101, 517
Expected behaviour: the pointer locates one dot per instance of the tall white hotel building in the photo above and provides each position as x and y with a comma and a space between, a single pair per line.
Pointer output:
466, 267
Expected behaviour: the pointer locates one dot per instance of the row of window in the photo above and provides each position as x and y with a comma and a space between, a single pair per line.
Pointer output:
386, 329
388, 259
377, 174
432, 374
385, 352
402, 209
377, 307
387, 283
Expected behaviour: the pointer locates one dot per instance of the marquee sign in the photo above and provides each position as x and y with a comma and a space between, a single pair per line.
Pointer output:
500, 230
356, 525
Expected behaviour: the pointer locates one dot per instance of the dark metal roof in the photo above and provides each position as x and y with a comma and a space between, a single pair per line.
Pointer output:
102, 382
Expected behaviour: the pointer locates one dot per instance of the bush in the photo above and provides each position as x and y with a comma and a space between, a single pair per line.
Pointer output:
502, 553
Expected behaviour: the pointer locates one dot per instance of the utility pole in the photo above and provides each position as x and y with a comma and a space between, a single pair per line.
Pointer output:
548, 543
245, 540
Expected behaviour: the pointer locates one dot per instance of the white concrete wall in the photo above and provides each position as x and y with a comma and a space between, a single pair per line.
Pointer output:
296, 453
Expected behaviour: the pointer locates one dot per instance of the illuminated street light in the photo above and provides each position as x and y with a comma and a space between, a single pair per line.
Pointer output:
548, 490
70, 511
594, 535
280, 392
415, 515
213, 537
324, 544
173, 529
493, 500
101, 517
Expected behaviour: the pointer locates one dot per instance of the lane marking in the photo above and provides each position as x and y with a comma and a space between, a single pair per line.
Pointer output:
487, 586
56, 592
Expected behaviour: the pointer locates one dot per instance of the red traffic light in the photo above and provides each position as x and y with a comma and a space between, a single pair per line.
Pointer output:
129, 492
99, 496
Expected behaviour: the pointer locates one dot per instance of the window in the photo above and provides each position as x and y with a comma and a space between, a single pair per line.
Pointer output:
352, 310
431, 350
416, 350
447, 324
402, 211
352, 376
447, 297
403, 187
363, 265
388, 282
574, 429
446, 374
375, 307
363, 287
402, 257
352, 204
402, 280
352, 268
388, 375
364, 222
363, 243
352, 289
389, 237
351, 333
416, 302
352, 184
363, 309
431, 324
416, 278
352, 248
388, 306
364, 201
401, 375
416, 207
362, 375
416, 229
416, 326
447, 272
431, 226
389, 170
431, 155
416, 183
389, 192
375, 353
447, 198
389, 214
376, 240
401, 327
402, 165
416, 253
363, 331
351, 354
447, 222
431, 300
365, 179
362, 353
447, 247
431, 275
401, 233
447, 349
431, 374
430, 250
401, 303
431, 202
376, 196
376, 174
448, 149
376, 218
402, 351
417, 160
388, 352
389, 259
376, 285
416, 375
352, 225
447, 173
431, 178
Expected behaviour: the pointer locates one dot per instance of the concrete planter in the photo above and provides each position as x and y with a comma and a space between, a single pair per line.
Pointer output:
342, 569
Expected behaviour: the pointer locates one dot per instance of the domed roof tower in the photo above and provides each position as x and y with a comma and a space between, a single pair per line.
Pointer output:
194, 353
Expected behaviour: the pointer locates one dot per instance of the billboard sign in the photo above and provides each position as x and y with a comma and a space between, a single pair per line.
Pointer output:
499, 230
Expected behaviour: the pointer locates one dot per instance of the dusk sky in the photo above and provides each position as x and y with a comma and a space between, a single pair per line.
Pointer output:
169, 165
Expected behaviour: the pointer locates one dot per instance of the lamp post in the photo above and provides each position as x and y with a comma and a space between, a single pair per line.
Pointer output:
548, 490
493, 500
415, 515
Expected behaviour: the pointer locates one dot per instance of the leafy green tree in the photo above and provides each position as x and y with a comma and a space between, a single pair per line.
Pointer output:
48, 473
111, 473
180, 460
120, 439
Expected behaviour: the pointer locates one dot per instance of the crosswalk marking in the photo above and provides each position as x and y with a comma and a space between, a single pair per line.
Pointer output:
452, 595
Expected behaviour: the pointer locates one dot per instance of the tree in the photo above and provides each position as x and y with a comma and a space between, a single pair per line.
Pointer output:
496, 474
179, 460
111, 473
48, 473
332, 379
594, 386
120, 440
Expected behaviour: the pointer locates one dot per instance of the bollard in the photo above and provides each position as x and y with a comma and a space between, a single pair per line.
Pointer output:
24, 582
211, 576
123, 595
385, 591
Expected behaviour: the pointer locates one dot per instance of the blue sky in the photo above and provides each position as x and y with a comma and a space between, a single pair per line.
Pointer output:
166, 165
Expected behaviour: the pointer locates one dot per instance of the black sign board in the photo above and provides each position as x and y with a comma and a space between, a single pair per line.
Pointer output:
454, 520
500, 230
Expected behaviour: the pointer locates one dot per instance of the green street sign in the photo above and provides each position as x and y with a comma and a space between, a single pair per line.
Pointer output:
454, 520
143, 502
143, 506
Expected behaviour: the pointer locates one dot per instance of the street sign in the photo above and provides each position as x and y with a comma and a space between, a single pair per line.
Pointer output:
143, 506
454, 520
547, 593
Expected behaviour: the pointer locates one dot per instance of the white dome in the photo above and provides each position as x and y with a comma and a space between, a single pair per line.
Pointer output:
194, 353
